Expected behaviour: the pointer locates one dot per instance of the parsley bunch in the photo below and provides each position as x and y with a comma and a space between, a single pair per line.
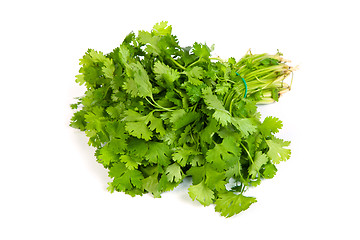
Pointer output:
157, 112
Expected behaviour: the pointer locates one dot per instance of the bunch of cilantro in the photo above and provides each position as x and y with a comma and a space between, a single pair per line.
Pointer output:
157, 113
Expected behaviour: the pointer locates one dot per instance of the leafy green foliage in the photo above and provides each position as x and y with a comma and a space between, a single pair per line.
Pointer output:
202, 193
157, 112
229, 204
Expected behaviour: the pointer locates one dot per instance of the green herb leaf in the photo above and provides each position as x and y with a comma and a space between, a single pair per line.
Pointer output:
201, 193
277, 151
229, 204
157, 112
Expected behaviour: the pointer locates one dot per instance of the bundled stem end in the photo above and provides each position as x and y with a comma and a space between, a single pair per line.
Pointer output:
265, 75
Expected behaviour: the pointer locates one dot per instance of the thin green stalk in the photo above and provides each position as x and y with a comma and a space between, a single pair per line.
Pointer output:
264, 70
193, 108
228, 98
184, 99
106, 91
195, 62
247, 151
242, 188
155, 104
177, 64
150, 102
231, 103
217, 58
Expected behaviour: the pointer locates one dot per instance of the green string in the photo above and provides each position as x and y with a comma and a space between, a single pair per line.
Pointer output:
244, 84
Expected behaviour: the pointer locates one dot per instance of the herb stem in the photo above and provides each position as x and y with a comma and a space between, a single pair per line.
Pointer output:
242, 189
195, 62
247, 151
231, 103
228, 99
106, 91
155, 104
177, 64
150, 102
217, 58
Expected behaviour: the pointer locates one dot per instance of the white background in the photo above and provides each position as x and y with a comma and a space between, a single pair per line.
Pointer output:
52, 187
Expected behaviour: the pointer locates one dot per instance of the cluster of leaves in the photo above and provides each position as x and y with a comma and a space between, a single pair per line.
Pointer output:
157, 112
